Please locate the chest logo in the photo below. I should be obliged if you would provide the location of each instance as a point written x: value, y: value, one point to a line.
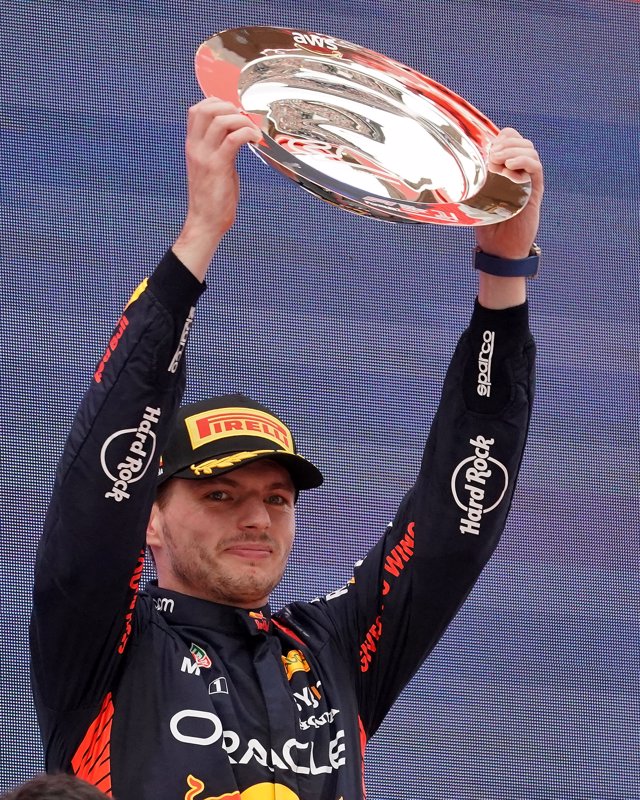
x: 294, y: 662
x: 259, y: 791
x: 199, y: 660
x: 199, y: 656
x: 219, y: 686
x: 262, y: 623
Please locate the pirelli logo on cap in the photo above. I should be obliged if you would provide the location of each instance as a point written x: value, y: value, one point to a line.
x: 209, y: 426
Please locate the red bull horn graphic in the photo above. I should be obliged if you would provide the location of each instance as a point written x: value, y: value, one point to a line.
x: 259, y: 791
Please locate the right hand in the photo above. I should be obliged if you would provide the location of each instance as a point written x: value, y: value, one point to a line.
x: 216, y: 130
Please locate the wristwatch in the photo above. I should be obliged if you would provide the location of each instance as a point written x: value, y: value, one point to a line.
x: 509, y: 267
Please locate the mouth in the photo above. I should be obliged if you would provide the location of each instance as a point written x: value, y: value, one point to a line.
x: 250, y: 550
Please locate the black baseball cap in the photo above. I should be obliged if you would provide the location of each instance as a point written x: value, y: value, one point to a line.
x: 214, y: 436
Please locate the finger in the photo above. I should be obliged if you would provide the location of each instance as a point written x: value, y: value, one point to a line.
x: 203, y: 113
x: 508, y: 133
x: 519, y: 150
x: 526, y: 166
x: 523, y: 161
x: 530, y: 166
x: 222, y: 126
x: 510, y: 143
x: 235, y: 139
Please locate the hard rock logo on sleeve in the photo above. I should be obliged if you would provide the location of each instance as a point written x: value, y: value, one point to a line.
x: 126, y: 454
x: 478, y: 484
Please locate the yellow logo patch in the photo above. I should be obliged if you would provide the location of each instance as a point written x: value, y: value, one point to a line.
x: 259, y: 791
x: 295, y: 661
x: 221, y: 423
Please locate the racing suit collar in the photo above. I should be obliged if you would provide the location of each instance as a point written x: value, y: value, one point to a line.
x: 182, y: 609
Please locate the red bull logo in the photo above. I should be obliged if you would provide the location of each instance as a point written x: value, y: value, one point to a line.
x: 262, y: 623
x: 259, y: 791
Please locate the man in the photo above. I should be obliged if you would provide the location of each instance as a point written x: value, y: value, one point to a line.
x: 193, y: 689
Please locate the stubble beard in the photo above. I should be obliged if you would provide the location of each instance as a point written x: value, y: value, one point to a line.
x: 203, y: 575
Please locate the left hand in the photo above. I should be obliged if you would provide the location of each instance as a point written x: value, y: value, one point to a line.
x: 513, y: 237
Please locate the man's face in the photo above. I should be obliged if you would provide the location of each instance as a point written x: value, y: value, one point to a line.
x: 225, y: 538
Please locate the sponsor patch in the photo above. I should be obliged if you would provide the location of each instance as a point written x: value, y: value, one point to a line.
x: 294, y: 662
x: 370, y: 645
x: 343, y: 589
x: 140, y: 288
x: 262, y: 623
x: 309, y: 697
x: 258, y: 791
x: 207, y: 426
x: 200, y: 656
x: 121, y: 326
x: 484, y: 364
x: 134, y: 584
x: 219, y: 686
x: 317, y: 722
x: 303, y: 758
x: 126, y: 465
x: 478, y: 484
x: 164, y: 604
x: 175, y: 361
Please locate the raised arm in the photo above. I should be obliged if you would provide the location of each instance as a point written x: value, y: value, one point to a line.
x: 409, y: 587
x: 215, y: 132
x: 92, y: 549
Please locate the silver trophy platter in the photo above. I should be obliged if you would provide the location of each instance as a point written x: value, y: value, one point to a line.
x: 360, y: 130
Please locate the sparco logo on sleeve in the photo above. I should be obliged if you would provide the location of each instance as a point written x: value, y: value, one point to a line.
x: 126, y: 454
x: 478, y: 484
x: 484, y: 364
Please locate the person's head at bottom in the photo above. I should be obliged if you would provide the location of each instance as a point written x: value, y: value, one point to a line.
x: 55, y: 787
x: 223, y: 522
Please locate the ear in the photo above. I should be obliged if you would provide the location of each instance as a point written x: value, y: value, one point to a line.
x: 154, y: 527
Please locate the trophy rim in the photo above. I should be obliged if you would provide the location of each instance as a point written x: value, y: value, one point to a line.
x: 282, y: 77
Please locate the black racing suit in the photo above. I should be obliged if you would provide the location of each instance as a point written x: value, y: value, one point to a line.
x: 163, y: 696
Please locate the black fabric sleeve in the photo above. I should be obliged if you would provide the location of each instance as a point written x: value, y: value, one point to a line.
x: 91, y: 551
x: 409, y: 587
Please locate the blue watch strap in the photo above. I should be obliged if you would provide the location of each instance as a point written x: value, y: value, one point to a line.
x: 509, y: 267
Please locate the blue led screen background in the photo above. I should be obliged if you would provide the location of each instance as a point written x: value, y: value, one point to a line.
x: 345, y: 326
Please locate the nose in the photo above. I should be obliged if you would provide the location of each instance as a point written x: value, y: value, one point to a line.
x: 254, y: 515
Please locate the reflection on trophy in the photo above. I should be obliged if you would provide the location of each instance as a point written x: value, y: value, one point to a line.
x: 360, y: 130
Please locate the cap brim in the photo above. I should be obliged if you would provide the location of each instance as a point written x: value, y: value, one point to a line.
x: 303, y: 473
